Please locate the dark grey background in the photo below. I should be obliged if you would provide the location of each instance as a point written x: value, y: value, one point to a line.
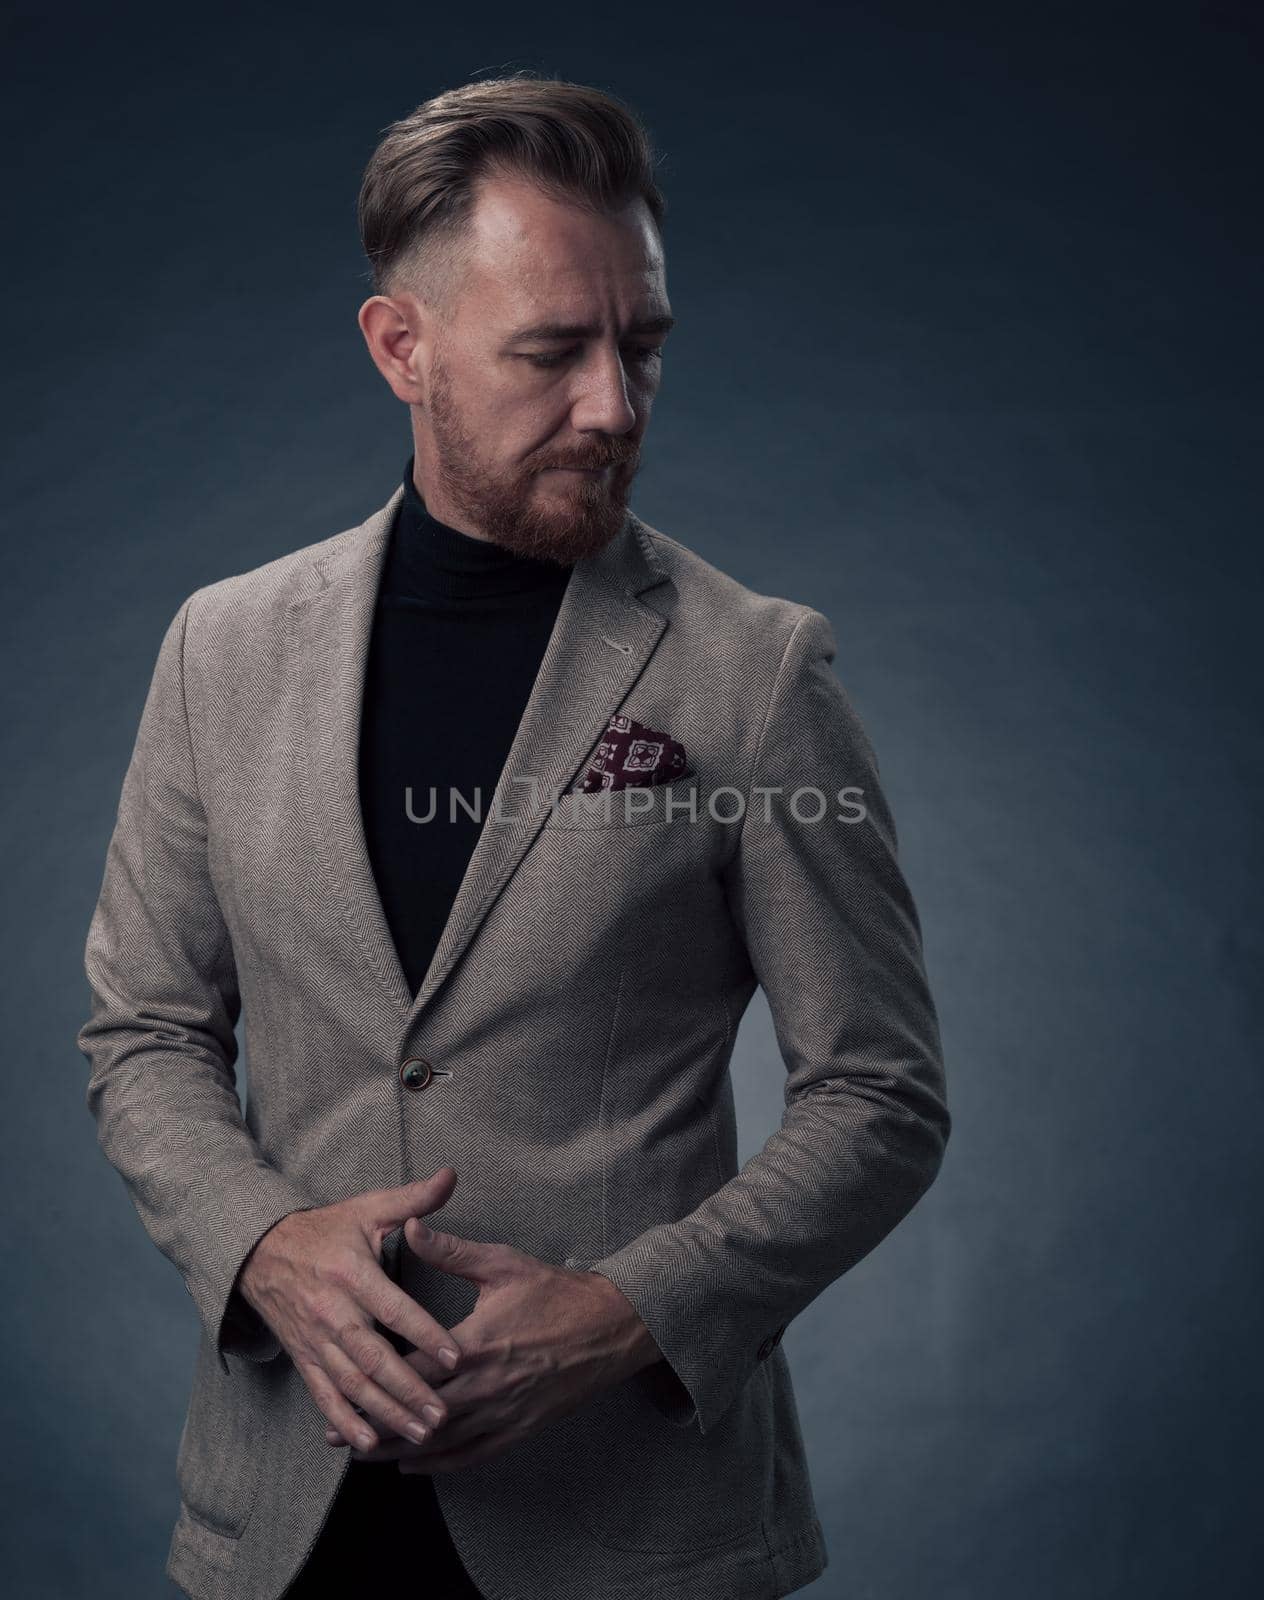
x: 967, y: 358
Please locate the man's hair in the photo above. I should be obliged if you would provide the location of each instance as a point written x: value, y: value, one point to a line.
x: 577, y: 144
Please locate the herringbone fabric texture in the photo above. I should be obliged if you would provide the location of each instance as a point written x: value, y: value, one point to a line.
x: 583, y: 1000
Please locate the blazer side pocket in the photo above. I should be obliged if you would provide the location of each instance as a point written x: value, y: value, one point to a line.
x: 677, y: 1489
x: 217, y: 1463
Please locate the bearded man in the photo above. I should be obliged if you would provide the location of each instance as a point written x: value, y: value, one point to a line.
x: 486, y: 816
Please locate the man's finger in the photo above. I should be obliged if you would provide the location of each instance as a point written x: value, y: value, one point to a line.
x: 395, y: 1309
x: 462, y: 1430
x: 435, y: 1374
x: 346, y: 1362
x: 465, y: 1258
x: 406, y: 1381
x: 388, y: 1208
x: 335, y: 1407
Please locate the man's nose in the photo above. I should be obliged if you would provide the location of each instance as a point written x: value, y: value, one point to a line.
x: 603, y: 405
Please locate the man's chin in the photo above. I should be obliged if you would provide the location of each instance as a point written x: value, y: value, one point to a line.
x: 566, y: 539
x: 573, y: 545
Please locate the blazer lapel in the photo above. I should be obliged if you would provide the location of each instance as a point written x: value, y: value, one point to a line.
x: 603, y: 636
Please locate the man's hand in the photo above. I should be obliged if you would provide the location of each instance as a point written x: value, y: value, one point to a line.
x: 316, y: 1279
x: 539, y: 1342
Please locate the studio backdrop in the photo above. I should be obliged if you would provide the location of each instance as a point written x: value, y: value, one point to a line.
x: 966, y: 359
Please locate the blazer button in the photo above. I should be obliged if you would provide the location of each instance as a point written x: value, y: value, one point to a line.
x: 415, y: 1073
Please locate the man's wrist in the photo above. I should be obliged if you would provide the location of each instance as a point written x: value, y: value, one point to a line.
x: 635, y: 1346
x: 254, y: 1264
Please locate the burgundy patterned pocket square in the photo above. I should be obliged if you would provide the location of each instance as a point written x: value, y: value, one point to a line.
x: 631, y: 755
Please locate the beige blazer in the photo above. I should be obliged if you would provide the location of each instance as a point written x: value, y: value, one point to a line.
x: 580, y: 1012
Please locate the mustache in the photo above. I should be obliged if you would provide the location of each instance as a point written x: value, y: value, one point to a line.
x: 608, y: 459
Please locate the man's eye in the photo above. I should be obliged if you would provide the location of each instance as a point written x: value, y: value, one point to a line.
x: 641, y: 354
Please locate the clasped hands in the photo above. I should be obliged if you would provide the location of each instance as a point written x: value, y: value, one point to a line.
x: 539, y: 1342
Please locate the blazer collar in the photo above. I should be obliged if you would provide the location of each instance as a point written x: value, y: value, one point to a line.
x: 603, y: 636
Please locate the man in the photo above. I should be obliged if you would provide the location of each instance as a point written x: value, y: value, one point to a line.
x: 519, y: 1015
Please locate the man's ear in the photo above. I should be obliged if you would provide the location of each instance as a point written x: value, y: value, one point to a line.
x: 394, y: 328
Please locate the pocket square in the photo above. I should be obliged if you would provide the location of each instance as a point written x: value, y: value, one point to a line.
x: 631, y: 755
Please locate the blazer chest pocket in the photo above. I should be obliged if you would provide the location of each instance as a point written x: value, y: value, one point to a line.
x: 217, y: 1464
x: 678, y: 802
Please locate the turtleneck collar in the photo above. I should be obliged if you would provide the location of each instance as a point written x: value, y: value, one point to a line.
x: 429, y: 560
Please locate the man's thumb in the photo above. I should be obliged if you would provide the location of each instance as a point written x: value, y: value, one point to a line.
x: 391, y: 1208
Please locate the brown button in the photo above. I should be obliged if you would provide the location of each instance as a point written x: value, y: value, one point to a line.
x: 415, y: 1073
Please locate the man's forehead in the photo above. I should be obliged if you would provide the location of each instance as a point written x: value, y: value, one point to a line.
x: 532, y: 258
x: 575, y: 304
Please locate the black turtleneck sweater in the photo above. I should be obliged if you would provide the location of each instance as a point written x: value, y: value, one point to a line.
x: 458, y: 635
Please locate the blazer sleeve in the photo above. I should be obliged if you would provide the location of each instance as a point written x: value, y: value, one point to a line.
x: 834, y: 939
x: 160, y: 1039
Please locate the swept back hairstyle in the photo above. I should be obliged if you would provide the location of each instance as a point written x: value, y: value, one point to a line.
x: 579, y: 145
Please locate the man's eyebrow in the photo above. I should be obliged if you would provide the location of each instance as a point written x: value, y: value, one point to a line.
x: 586, y: 330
